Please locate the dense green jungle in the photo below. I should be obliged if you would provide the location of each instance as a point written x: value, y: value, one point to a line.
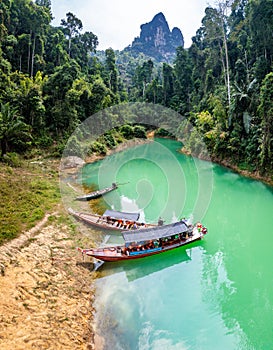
x: 52, y: 79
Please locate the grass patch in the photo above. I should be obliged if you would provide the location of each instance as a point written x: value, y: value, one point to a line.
x: 27, y: 193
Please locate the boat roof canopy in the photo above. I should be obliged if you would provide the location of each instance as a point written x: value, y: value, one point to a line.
x: 155, y: 232
x: 121, y: 215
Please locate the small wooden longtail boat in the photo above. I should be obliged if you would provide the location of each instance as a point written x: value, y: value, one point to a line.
x: 111, y: 220
x: 97, y: 194
x: 149, y: 241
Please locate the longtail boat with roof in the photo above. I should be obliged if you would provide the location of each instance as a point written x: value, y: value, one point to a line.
x: 149, y: 241
x: 97, y: 194
x: 111, y: 220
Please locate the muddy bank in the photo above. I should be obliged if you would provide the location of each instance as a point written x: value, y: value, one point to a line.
x: 46, y: 291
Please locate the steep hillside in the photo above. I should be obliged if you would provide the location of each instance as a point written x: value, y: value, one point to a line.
x: 156, y: 40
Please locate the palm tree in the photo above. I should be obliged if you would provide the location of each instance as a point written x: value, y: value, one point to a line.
x: 14, y: 132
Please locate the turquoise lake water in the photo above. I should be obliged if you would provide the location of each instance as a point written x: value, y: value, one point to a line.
x: 214, y: 294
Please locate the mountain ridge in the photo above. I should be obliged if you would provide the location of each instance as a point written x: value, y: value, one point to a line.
x: 156, y: 40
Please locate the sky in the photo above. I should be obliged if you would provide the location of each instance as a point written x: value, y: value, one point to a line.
x: 117, y: 22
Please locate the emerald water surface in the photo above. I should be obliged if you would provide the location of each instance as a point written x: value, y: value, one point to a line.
x: 214, y: 294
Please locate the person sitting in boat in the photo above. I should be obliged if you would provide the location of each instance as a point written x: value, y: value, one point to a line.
x: 204, y: 230
x: 150, y: 245
x: 199, y: 227
x: 183, y: 236
x: 160, y: 221
x: 156, y: 243
x: 176, y: 238
x: 126, y: 224
x: 120, y: 223
x: 185, y: 221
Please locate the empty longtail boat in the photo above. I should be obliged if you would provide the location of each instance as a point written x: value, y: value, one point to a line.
x: 149, y: 241
x: 111, y: 220
x: 97, y: 194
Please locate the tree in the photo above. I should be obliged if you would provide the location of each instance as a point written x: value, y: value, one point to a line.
x: 40, y: 19
x: 183, y: 80
x: 215, y: 34
x: 72, y: 25
x: 4, y: 16
x: 111, y: 70
x: 89, y: 41
x: 60, y: 114
x: 223, y: 7
x: 266, y: 113
x: 27, y: 24
x: 14, y: 133
x: 101, y: 97
x: 81, y: 47
x: 30, y: 101
x: 143, y: 76
x: 239, y: 34
x: 154, y: 91
x: 61, y: 81
x: 261, y: 32
x: 45, y: 3
x: 55, y: 52
x: 5, y: 85
x: 168, y: 84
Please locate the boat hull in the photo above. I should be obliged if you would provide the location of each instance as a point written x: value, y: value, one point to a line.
x: 96, y: 194
x: 110, y: 254
x: 101, y: 223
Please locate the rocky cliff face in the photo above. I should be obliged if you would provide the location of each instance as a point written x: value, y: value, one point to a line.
x: 156, y: 40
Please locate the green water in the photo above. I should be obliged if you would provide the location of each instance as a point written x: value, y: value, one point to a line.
x: 215, y: 294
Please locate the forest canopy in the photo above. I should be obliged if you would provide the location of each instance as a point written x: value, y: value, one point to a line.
x: 52, y: 79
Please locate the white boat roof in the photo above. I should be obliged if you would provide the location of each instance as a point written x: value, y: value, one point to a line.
x: 154, y: 232
x: 122, y: 215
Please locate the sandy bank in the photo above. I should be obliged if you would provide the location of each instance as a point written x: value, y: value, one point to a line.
x: 45, y: 291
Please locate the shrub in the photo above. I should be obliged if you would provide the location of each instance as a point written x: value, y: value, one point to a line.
x: 73, y: 147
x: 139, y: 132
x: 12, y: 159
x: 99, y: 148
x: 127, y: 131
x: 163, y: 133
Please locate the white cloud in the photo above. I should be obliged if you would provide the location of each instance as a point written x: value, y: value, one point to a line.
x: 117, y: 23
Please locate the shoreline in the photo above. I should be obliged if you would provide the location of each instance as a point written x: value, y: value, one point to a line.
x: 248, y: 174
x: 119, y: 148
x: 225, y: 163
x: 228, y: 164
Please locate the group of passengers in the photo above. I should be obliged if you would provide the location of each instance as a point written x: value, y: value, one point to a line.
x: 157, y: 243
x: 123, y: 224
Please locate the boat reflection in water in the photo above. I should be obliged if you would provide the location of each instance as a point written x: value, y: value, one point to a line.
x: 135, y: 270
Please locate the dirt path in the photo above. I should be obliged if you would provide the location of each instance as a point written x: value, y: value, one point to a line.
x: 45, y: 291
